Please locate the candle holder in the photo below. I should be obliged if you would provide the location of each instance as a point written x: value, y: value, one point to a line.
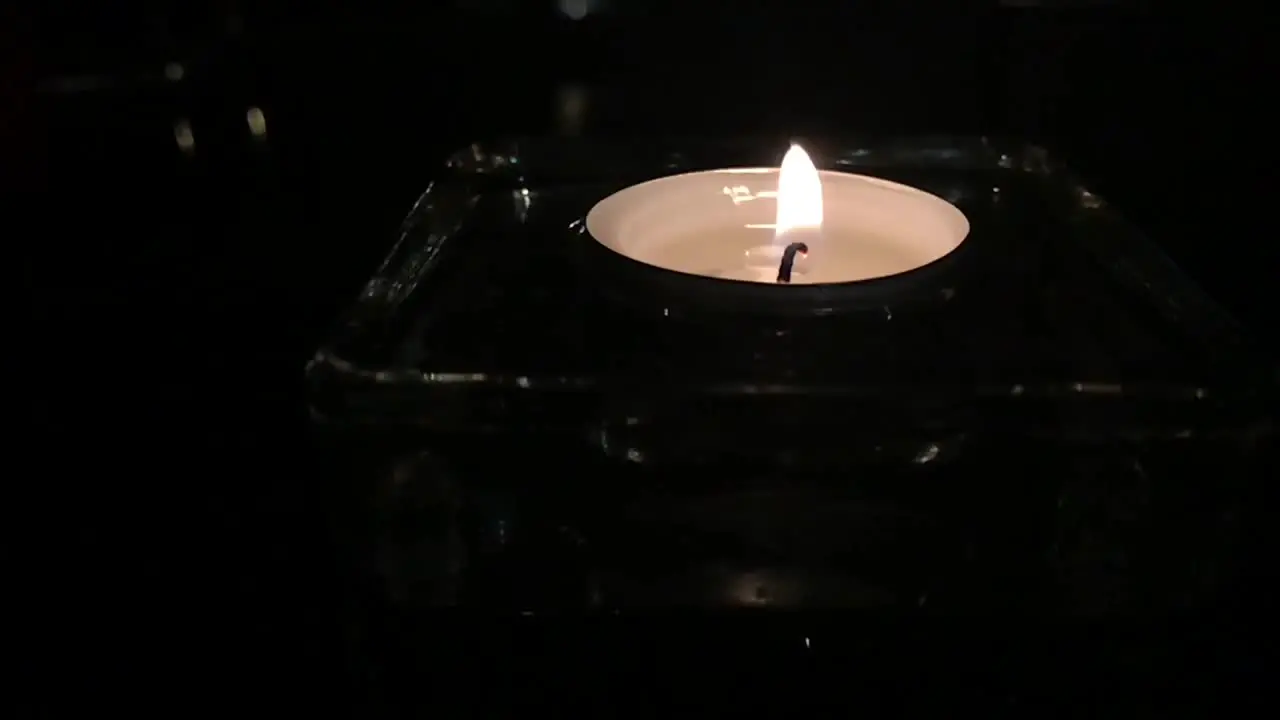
x: 498, y: 310
x: 992, y: 436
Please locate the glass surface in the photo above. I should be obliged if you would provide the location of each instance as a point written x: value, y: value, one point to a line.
x: 1061, y: 320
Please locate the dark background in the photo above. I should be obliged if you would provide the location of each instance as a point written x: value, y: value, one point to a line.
x: 177, y: 291
x: 1162, y: 109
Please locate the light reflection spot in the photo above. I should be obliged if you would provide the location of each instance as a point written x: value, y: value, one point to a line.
x: 928, y: 454
x: 184, y: 135
x: 575, y: 9
x: 257, y: 121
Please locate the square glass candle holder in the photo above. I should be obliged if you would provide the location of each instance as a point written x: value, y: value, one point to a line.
x: 1062, y: 320
x: 1058, y: 421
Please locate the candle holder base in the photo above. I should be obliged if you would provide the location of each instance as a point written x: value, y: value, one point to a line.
x: 458, y: 524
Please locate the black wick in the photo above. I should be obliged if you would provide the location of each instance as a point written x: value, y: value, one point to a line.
x: 789, y: 259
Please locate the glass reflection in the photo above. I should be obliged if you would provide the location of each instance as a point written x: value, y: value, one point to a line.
x: 257, y: 122
x: 185, y: 136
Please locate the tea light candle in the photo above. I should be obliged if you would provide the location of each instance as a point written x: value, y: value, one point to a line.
x: 786, y: 226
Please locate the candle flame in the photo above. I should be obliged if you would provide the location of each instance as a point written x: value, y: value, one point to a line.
x: 799, y: 193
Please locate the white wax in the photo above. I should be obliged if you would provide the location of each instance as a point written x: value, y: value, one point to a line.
x: 722, y: 224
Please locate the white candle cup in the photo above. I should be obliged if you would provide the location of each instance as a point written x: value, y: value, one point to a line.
x: 721, y: 227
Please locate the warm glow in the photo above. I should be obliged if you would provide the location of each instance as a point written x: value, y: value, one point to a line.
x: 799, y: 193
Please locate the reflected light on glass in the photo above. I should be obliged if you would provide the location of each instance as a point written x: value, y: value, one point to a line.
x: 575, y: 9
x: 185, y: 137
x: 257, y: 122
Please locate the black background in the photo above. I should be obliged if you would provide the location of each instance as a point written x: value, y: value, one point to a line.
x: 176, y: 295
